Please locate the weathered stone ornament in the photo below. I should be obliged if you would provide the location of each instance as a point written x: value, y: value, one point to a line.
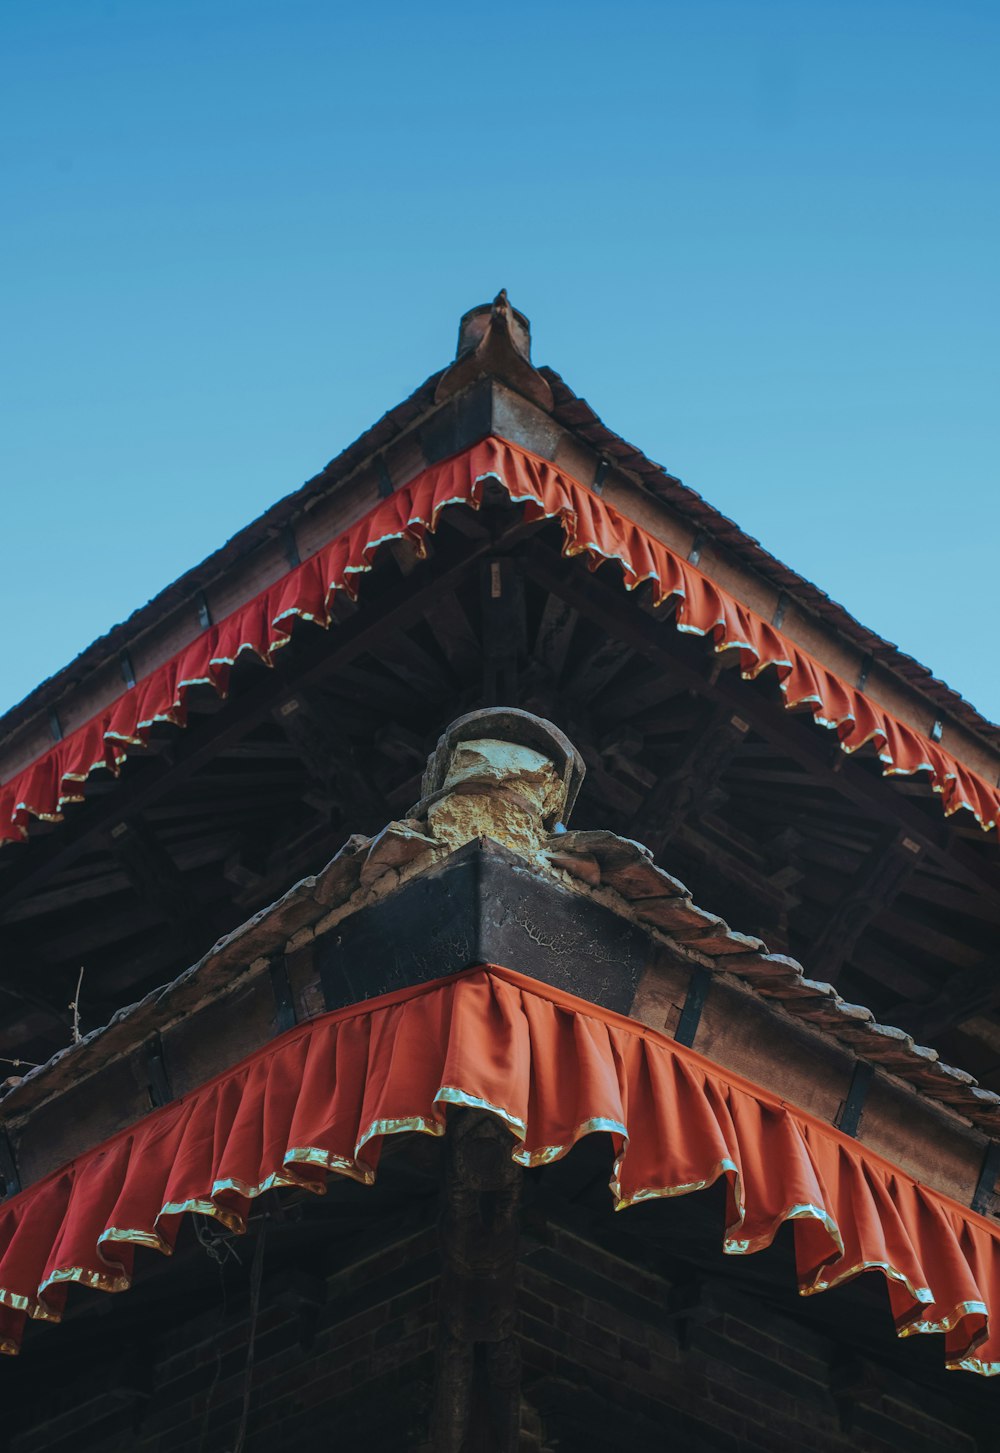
x: 499, y: 773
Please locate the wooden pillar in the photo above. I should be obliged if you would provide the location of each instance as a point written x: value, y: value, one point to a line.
x: 477, y: 1392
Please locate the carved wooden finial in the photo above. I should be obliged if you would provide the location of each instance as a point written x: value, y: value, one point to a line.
x: 495, y: 339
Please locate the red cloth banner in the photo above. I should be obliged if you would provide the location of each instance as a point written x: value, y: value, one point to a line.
x: 322, y: 1098
x: 591, y: 528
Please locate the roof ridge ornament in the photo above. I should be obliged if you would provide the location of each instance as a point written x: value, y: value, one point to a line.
x: 501, y: 773
x: 494, y: 340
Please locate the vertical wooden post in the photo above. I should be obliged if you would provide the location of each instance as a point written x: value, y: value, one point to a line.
x: 477, y: 1392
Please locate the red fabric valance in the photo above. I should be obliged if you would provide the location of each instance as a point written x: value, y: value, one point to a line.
x: 591, y: 528
x: 553, y: 1068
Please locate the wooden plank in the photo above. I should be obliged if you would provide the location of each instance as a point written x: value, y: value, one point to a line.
x: 317, y: 659
x: 555, y: 636
x: 874, y: 886
x: 874, y: 793
x: 704, y: 756
x: 454, y: 634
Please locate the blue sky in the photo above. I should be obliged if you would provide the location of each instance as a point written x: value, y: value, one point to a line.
x: 761, y: 239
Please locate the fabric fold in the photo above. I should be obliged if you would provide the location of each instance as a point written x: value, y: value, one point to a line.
x: 591, y: 528
x: 323, y: 1098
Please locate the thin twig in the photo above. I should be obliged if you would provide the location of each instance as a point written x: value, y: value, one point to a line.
x: 74, y: 1004
x: 17, y: 1063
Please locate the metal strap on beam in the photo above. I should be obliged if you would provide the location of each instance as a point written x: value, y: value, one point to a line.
x: 385, y: 484
x: 8, y: 1166
x: 600, y: 474
x: 156, y: 1070
x: 697, y: 545
x: 291, y: 546
x: 284, y: 1004
x: 850, y: 1116
x: 989, y: 1175
x: 687, y: 1025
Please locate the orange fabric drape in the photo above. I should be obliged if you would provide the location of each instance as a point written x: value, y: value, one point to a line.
x: 553, y: 1068
x: 591, y: 528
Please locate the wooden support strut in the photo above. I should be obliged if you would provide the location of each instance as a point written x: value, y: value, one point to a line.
x: 319, y: 658
x: 601, y: 604
x: 503, y: 630
x: 878, y: 881
x: 964, y: 995
x: 477, y: 1391
x: 703, y: 757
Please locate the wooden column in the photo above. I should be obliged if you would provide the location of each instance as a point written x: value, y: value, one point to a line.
x: 477, y: 1393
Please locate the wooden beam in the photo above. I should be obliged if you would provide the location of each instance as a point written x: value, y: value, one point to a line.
x: 330, y: 760
x: 704, y: 755
x: 881, y: 876
x: 477, y: 1392
x: 315, y: 659
x: 875, y: 795
x: 966, y: 994
x: 504, y: 629
x: 156, y: 880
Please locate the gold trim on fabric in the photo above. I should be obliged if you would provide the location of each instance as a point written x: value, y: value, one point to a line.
x: 973, y: 1364
x: 100, y: 1281
x: 546, y: 1154
x: 802, y: 1211
x: 684, y: 1188
x: 15, y: 1300
x: 298, y: 1161
x: 203, y: 1208
x: 150, y: 1239
x: 421, y: 1124
x: 335, y: 1164
x: 945, y: 1324
x: 416, y: 526
x: 923, y: 1295
x: 451, y: 1095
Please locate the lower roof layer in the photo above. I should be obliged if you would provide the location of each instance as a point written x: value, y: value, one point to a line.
x: 552, y: 1068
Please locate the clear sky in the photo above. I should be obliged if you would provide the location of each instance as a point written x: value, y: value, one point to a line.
x: 762, y: 239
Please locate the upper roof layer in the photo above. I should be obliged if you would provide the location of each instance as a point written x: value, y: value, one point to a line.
x: 592, y: 528
x: 574, y: 414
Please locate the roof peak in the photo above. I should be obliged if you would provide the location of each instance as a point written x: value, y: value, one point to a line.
x: 495, y: 339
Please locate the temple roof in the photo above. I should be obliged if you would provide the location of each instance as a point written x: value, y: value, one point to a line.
x: 188, y: 810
